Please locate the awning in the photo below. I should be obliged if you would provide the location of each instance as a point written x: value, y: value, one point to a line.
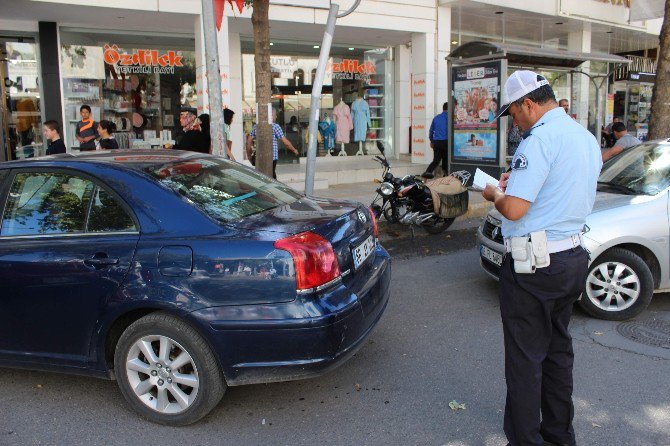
x: 529, y: 56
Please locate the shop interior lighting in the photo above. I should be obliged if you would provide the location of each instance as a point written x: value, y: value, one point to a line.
x: 351, y: 49
x: 271, y: 43
x: 454, y: 42
x: 316, y: 47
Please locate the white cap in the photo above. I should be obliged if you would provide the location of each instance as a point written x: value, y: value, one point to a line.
x: 518, y: 85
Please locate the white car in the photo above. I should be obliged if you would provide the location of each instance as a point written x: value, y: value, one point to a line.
x: 627, y: 234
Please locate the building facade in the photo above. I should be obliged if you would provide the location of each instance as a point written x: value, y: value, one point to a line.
x: 137, y: 63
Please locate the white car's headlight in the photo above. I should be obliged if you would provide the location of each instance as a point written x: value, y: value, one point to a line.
x: 386, y: 189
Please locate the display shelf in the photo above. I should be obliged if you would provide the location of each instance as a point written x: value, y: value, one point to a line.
x: 374, y: 96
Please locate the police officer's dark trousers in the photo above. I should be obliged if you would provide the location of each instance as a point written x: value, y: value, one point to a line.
x: 536, y: 310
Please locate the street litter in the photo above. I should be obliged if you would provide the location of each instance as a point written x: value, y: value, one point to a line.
x: 455, y: 405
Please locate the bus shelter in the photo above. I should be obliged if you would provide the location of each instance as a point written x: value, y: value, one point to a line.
x: 477, y: 72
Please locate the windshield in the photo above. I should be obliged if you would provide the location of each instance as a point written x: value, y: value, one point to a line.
x: 224, y: 190
x: 641, y: 170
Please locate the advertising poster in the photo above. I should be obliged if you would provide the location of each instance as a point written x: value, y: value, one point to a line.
x: 476, y: 101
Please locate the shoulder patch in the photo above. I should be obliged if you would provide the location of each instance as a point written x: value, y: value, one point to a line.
x: 520, y: 162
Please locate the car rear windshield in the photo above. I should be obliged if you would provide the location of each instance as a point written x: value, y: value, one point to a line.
x: 643, y: 170
x: 224, y: 190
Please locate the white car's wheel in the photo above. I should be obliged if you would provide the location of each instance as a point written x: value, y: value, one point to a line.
x: 619, y: 286
x: 166, y: 370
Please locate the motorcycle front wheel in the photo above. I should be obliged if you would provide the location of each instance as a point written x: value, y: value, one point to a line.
x: 437, y: 225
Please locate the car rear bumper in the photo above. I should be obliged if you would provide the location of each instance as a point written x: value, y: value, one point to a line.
x: 299, y: 339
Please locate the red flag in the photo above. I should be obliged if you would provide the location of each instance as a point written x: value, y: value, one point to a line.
x: 239, y: 3
x: 220, y: 5
x: 218, y: 12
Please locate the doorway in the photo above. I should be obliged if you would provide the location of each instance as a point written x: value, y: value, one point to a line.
x: 20, y: 116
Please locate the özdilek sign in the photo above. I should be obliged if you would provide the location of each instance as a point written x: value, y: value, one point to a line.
x: 142, y: 61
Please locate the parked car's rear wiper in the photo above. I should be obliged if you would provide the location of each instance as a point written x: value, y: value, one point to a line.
x: 619, y: 187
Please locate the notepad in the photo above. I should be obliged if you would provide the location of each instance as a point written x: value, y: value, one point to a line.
x: 482, y: 179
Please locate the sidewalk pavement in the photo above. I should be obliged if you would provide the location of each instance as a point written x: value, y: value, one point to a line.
x: 365, y: 193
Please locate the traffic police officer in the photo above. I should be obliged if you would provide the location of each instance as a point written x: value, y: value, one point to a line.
x: 551, y: 188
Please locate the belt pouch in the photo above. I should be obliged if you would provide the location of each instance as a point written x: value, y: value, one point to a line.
x: 522, y: 253
x: 538, y: 241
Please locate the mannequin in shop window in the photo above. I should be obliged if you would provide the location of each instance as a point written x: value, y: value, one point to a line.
x: 360, y: 112
x: 328, y: 131
x: 344, y: 125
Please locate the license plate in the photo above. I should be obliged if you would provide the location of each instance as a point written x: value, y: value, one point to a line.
x: 491, y: 255
x: 363, y: 251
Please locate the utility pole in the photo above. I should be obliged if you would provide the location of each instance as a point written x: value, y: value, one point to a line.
x: 216, y: 121
x: 315, y: 106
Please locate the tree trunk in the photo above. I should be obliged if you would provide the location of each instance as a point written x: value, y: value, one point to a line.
x: 261, y: 23
x: 659, y: 123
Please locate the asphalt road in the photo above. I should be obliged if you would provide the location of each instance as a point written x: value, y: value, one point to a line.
x: 439, y: 341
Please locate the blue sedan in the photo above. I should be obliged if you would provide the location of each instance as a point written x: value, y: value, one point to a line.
x: 179, y: 274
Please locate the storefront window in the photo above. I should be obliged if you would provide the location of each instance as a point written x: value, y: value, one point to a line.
x: 20, y: 118
x: 358, y: 88
x: 139, y: 87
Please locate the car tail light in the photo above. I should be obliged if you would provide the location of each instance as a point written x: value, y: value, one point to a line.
x: 374, y: 223
x: 314, y: 259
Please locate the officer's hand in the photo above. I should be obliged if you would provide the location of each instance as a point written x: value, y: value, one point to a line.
x: 490, y: 191
x: 502, y: 184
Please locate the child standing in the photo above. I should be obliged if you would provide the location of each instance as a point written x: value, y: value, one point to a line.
x: 105, y: 130
x: 52, y: 134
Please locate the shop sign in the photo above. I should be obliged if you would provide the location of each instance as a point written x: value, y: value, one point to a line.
x: 352, y: 69
x: 284, y: 65
x: 143, y: 61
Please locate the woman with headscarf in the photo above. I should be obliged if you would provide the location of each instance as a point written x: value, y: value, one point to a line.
x: 193, y: 138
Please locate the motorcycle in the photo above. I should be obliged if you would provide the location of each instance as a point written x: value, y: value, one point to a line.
x: 409, y: 201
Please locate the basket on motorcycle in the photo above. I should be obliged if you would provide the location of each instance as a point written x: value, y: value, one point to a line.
x: 450, y: 197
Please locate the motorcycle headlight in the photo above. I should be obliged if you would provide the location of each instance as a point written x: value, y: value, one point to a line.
x: 386, y: 189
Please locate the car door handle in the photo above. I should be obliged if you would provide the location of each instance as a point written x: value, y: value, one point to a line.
x: 100, y: 262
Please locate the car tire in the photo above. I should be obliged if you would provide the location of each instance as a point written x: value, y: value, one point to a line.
x: 144, y: 359
x: 620, y: 299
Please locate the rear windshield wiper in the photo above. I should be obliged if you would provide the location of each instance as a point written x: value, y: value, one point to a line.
x: 619, y: 187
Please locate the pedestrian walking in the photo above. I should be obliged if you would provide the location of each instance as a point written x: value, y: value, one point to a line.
x: 52, y: 135
x: 86, y: 130
x: 277, y: 135
x: 623, y: 142
x: 439, y: 134
x: 544, y: 200
x: 227, y: 122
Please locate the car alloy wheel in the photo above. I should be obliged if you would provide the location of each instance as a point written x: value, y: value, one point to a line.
x: 619, y: 285
x: 162, y: 374
x: 613, y: 286
x: 166, y: 370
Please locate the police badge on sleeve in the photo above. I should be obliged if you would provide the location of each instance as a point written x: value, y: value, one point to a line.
x: 520, y: 162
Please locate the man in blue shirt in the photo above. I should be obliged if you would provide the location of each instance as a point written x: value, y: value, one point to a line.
x: 438, y: 134
x: 550, y: 190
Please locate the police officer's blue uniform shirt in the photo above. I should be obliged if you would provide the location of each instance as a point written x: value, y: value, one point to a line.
x: 557, y: 151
